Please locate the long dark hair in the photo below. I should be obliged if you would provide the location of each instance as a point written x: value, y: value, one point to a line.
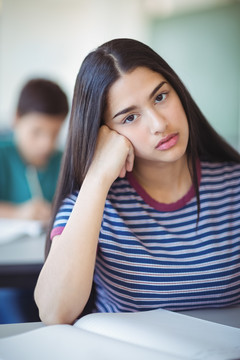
x: 100, y: 69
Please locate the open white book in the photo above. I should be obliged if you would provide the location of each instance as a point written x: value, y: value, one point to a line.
x: 14, y: 229
x: 149, y: 335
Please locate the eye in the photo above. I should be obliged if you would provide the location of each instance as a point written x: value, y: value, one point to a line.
x: 129, y: 119
x: 161, y: 97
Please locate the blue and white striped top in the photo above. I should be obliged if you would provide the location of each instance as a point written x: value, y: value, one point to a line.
x: 153, y: 255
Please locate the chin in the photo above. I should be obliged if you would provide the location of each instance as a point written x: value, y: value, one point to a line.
x: 39, y: 162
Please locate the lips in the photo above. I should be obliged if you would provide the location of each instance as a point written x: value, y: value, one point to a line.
x: 168, y: 142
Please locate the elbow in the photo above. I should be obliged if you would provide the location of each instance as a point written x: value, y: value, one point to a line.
x: 53, y: 318
x: 51, y: 314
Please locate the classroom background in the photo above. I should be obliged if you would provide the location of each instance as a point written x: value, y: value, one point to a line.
x: 198, y: 38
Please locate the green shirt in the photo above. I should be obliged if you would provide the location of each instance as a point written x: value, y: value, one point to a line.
x: 14, y: 186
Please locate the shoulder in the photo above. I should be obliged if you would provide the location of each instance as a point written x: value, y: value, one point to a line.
x: 225, y: 175
x: 216, y: 169
x: 8, y: 151
x: 56, y: 156
x: 54, y: 161
x: 7, y: 145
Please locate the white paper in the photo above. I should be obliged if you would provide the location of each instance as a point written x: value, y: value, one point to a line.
x: 166, y: 331
x: 63, y: 342
x: 13, y: 229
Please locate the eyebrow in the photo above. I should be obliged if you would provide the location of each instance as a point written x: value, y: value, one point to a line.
x: 156, y: 89
x: 131, y: 108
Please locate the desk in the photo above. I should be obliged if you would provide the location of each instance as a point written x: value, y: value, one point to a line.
x: 16, y: 329
x: 21, y: 261
x: 227, y: 316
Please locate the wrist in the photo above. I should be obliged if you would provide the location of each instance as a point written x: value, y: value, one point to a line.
x: 101, y: 181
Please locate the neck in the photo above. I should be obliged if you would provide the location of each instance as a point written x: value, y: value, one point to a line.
x: 165, y: 183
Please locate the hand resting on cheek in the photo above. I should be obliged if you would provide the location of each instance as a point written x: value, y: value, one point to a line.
x: 114, y: 155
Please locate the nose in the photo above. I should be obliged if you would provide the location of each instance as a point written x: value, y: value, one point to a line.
x: 157, y: 123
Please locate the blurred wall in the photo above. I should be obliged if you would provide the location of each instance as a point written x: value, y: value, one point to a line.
x: 51, y: 38
x: 203, y: 47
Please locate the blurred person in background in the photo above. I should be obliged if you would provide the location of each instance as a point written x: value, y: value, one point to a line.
x: 30, y: 162
x: 29, y: 168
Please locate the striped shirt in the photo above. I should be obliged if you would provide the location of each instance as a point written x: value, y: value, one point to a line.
x: 153, y: 255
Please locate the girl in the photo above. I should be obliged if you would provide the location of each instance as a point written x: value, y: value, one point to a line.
x: 147, y: 206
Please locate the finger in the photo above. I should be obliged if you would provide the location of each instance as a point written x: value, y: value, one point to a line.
x: 130, y: 159
x: 128, y: 166
x: 122, y: 172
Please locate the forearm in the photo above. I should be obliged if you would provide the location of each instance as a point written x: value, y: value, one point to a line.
x: 65, y: 281
x: 9, y: 210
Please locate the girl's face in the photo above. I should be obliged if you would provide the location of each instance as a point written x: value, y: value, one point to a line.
x: 143, y: 107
